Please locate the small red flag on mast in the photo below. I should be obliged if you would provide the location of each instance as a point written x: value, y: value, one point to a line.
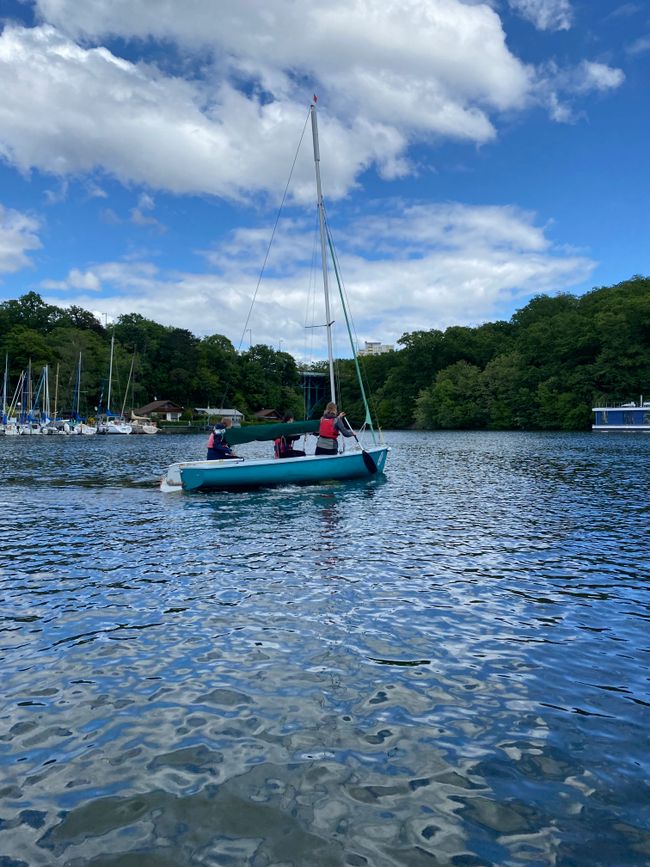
x: 315, y: 98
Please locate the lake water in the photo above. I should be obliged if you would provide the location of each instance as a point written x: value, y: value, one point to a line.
x: 449, y: 666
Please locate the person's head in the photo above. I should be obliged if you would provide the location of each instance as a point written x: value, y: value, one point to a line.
x: 330, y: 408
x: 287, y: 418
x: 226, y: 422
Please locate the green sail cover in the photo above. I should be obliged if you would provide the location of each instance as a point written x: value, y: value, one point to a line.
x: 261, y: 432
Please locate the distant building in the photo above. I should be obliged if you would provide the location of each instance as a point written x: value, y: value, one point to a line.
x: 268, y: 415
x: 166, y: 410
x: 213, y: 412
x: 375, y: 347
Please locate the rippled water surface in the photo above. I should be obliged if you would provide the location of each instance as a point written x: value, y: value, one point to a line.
x: 446, y: 666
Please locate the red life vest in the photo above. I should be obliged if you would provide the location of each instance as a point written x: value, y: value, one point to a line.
x: 278, y: 447
x: 327, y: 429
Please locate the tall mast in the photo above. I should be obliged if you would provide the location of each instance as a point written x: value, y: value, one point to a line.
x: 56, y: 391
x: 323, y: 250
x: 46, y: 393
x: 126, y: 390
x: 110, y: 375
x: 4, y: 388
x: 76, y: 410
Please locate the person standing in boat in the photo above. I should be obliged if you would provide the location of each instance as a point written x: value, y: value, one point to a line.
x: 331, y: 425
x: 218, y: 448
x: 283, y: 446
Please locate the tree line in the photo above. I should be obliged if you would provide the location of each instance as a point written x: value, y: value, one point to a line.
x: 543, y: 369
x: 163, y: 362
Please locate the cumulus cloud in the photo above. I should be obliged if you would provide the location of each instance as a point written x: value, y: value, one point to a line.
x: 407, y: 268
x: 597, y: 76
x: 402, y: 72
x: 18, y: 236
x: 76, y: 279
x: 545, y: 14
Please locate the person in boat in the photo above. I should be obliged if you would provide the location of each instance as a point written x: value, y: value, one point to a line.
x: 218, y: 448
x: 283, y: 446
x: 331, y: 425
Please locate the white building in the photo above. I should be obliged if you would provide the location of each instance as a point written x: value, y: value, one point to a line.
x: 218, y: 413
x: 375, y: 347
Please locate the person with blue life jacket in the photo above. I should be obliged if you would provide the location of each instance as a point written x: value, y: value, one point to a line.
x: 331, y: 425
x: 283, y: 445
x: 218, y: 448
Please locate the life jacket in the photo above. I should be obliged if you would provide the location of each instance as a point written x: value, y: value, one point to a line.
x: 327, y: 429
x: 279, y: 447
x: 218, y: 437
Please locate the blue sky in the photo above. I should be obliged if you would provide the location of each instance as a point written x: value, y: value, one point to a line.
x: 473, y: 155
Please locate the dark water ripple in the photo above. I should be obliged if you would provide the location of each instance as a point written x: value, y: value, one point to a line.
x: 448, y: 666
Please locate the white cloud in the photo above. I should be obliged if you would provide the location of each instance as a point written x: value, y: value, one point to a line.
x: 401, y: 72
x: 76, y: 279
x: 18, y: 235
x: 597, y: 76
x: 139, y: 216
x: 545, y: 14
x: 557, y: 86
x: 411, y: 268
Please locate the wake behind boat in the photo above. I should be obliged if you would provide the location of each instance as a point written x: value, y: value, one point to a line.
x: 239, y: 473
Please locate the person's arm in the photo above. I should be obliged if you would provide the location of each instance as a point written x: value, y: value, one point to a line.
x: 342, y: 426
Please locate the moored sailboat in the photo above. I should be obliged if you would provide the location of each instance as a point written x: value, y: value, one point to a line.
x: 112, y: 423
x: 239, y: 473
x: 77, y: 424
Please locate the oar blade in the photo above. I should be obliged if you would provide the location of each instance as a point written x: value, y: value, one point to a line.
x: 368, y: 460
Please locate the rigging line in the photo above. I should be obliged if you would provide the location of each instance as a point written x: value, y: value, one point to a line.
x: 346, y: 307
x: 310, y: 307
x: 275, y: 226
x: 350, y: 327
x: 268, y: 249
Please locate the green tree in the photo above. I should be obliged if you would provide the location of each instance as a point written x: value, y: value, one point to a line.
x: 455, y: 400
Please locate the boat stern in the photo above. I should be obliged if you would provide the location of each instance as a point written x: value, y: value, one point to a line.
x: 171, y: 482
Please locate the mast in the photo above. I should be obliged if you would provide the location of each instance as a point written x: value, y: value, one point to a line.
x: 323, y: 249
x: 56, y: 390
x: 30, y: 391
x: 78, y: 389
x: 4, y: 389
x: 110, y: 375
x: 46, y: 394
x: 126, y: 391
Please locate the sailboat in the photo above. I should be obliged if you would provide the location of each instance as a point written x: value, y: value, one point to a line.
x: 139, y: 424
x: 112, y: 423
x: 239, y: 473
x: 7, y: 425
x: 78, y: 425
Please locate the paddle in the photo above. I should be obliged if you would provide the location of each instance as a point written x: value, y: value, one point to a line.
x: 368, y: 460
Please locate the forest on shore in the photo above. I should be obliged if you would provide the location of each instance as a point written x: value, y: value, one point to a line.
x: 543, y: 369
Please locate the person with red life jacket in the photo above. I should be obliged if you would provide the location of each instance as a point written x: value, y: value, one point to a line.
x: 283, y: 445
x: 331, y: 425
x: 218, y: 448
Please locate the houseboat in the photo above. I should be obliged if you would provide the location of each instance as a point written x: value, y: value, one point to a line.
x: 634, y: 417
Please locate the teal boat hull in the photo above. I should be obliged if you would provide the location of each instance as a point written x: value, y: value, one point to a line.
x: 242, y: 474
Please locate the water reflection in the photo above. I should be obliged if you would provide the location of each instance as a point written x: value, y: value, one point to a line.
x: 445, y: 666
